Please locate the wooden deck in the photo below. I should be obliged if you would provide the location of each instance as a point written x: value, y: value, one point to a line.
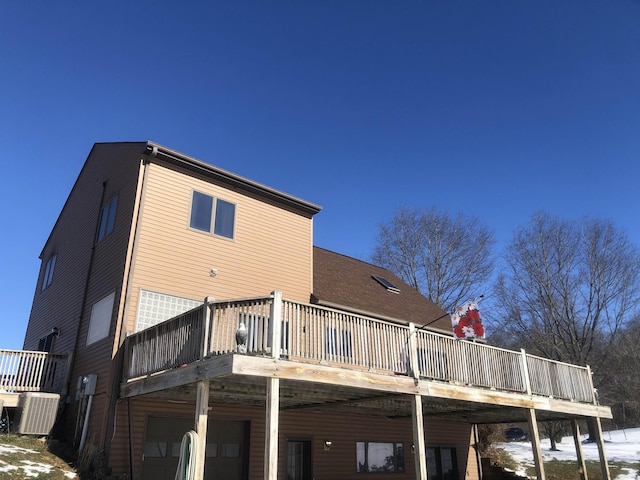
x: 348, y: 356
x: 31, y: 371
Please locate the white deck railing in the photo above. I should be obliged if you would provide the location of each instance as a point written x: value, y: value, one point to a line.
x: 30, y: 371
x: 310, y: 333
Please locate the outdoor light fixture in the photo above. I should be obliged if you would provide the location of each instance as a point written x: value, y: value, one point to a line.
x: 327, y: 445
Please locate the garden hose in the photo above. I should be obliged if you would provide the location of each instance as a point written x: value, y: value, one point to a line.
x: 187, y: 460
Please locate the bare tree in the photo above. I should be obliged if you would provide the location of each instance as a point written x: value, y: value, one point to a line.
x: 555, y: 431
x: 620, y: 383
x: 568, y: 288
x: 446, y: 259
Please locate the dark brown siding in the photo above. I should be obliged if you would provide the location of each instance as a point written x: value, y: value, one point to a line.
x: 85, y: 268
x: 107, y: 273
x: 342, y: 430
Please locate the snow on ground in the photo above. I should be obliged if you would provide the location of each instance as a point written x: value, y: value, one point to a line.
x: 620, y: 446
x: 29, y: 468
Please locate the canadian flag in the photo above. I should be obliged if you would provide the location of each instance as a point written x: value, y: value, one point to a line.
x: 466, y: 321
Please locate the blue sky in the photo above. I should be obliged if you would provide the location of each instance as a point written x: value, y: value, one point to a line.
x: 496, y: 109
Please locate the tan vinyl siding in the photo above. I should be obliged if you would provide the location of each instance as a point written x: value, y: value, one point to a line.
x: 342, y: 430
x: 270, y: 249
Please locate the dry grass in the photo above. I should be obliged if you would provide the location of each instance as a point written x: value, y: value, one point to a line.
x: 24, y: 456
x: 561, y: 470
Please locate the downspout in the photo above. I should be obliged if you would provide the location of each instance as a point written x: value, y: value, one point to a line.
x: 85, y: 292
x: 120, y: 330
x: 476, y: 443
x: 86, y: 283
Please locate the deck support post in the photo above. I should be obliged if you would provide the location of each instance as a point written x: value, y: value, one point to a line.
x: 419, y: 457
x: 273, y: 394
x: 604, y: 464
x: 582, y: 466
x: 202, y: 418
x: 271, y: 429
x: 534, y: 435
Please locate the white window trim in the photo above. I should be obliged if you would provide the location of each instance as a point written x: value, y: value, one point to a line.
x: 100, y: 321
x: 108, y: 218
x: 48, y: 271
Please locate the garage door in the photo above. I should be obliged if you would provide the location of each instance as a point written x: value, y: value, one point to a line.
x: 226, y: 453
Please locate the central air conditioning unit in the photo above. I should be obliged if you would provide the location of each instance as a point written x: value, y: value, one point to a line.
x: 36, y: 413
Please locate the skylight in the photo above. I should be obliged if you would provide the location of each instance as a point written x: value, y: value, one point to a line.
x: 386, y: 284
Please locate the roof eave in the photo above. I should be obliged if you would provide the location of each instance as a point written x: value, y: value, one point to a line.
x: 153, y: 150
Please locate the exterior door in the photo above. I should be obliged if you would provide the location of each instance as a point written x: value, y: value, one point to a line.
x: 299, y: 460
x: 226, y: 451
x: 442, y: 463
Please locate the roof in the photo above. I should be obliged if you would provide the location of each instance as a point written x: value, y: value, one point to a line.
x: 347, y: 283
x: 231, y: 180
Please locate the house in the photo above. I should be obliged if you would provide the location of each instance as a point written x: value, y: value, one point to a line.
x: 185, y: 297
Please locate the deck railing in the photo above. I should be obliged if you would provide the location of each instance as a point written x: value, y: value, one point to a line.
x: 331, y: 336
x: 167, y: 345
x: 310, y: 333
x: 560, y: 380
x: 442, y: 357
x: 30, y: 371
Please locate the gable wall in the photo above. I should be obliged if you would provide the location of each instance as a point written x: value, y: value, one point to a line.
x: 72, y: 239
x: 271, y: 249
x: 86, y: 271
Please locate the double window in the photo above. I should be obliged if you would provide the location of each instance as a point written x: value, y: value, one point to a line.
x: 107, y: 218
x: 48, y: 271
x: 212, y: 215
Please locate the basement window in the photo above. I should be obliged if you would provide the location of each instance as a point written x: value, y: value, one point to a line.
x: 386, y: 284
x: 379, y: 457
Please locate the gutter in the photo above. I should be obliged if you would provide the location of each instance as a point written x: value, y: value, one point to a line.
x: 227, y: 178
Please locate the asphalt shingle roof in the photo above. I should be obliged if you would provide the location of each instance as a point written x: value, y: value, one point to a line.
x: 343, y: 281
